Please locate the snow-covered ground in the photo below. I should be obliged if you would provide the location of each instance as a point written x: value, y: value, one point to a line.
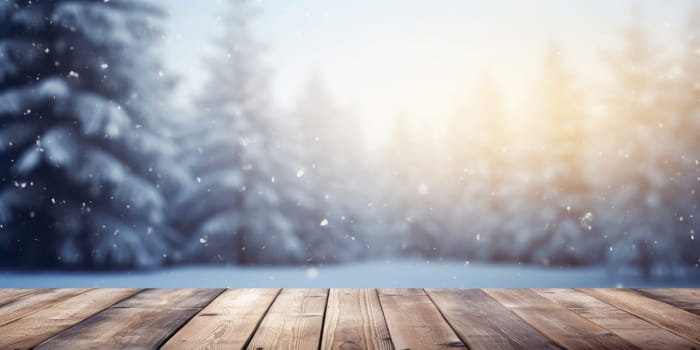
x: 396, y: 274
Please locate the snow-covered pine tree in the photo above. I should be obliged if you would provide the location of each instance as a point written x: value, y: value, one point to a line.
x: 415, y: 197
x: 248, y: 201
x: 81, y: 138
x: 640, y: 179
x: 478, y: 134
x: 333, y: 144
x: 322, y: 123
x: 684, y: 126
x: 559, y: 187
x: 477, y: 137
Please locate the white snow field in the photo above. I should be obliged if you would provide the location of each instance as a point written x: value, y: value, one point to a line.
x: 377, y: 274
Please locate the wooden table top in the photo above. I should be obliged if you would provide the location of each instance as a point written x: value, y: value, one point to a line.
x: 350, y: 318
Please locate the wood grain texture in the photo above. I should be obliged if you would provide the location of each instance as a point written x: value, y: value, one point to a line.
x: 10, y: 294
x: 565, y: 327
x: 143, y: 321
x: 629, y: 327
x: 34, y: 302
x: 354, y: 320
x: 36, y: 327
x: 349, y: 319
x: 171, y: 298
x: 294, y: 321
x: 676, y: 320
x: 414, y: 322
x: 228, y: 322
x: 684, y: 298
x: 483, y: 323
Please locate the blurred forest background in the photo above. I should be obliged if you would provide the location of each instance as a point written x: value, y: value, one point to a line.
x: 102, y: 170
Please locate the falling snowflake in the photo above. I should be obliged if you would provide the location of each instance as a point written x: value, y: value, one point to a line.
x: 312, y: 273
x: 586, y: 220
x: 300, y: 172
x: 324, y: 222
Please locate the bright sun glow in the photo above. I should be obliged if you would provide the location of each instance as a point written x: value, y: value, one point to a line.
x: 421, y: 65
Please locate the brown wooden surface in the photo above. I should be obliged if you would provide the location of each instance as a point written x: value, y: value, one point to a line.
x: 46, y: 322
x: 483, y: 323
x: 684, y: 298
x: 565, y: 327
x: 227, y: 323
x: 676, y: 320
x: 349, y: 319
x: 354, y: 320
x: 19, y: 307
x: 11, y: 294
x: 414, y: 322
x: 294, y: 321
x: 140, y: 322
x: 629, y: 327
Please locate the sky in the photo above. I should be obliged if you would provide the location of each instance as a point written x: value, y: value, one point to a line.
x: 414, y: 57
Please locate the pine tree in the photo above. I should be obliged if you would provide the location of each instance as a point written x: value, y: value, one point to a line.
x: 478, y: 133
x: 559, y: 187
x: 640, y: 182
x: 332, y: 143
x: 684, y: 129
x: 81, y: 134
x: 321, y: 123
x: 248, y: 201
x: 415, y: 198
x: 477, y: 140
x: 688, y: 94
x: 559, y: 109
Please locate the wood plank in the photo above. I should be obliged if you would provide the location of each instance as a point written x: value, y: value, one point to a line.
x: 676, y: 320
x: 171, y: 298
x: 143, y: 321
x: 8, y: 295
x: 483, y: 323
x: 36, y: 327
x: 565, y: 327
x: 294, y: 321
x: 629, y: 327
x: 354, y: 320
x: 685, y: 298
x: 228, y: 322
x: 414, y: 322
x: 34, y: 302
